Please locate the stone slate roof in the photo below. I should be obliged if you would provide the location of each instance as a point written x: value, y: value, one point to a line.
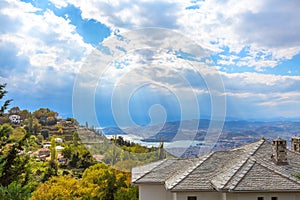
x: 247, y: 168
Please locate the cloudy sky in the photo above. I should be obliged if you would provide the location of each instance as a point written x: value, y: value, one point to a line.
x: 57, y: 54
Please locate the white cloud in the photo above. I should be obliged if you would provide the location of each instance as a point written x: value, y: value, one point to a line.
x: 249, y: 61
x: 59, y: 3
x: 47, y: 44
x: 265, y: 81
x: 254, y: 95
x: 257, y: 25
x: 130, y: 14
x: 163, y: 57
x: 258, y: 34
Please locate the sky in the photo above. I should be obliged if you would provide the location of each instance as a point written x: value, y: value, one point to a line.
x: 139, y: 62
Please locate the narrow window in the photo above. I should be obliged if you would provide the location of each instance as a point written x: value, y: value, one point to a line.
x: 192, y: 198
x: 260, y: 198
x: 274, y: 198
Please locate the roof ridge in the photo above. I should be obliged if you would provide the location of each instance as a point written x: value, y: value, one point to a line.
x: 187, y: 172
x: 255, y: 162
x: 261, y: 141
x: 234, y: 171
x: 243, y: 161
x: 290, y: 177
x: 149, y: 170
x: 243, y: 173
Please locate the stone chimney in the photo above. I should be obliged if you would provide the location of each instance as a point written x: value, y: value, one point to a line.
x: 279, y: 151
x: 295, y: 144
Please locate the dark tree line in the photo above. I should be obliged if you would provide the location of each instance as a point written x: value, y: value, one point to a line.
x: 14, y: 170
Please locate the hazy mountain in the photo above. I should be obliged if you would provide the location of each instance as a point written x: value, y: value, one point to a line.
x: 112, y: 131
x: 231, y: 130
x: 234, y: 133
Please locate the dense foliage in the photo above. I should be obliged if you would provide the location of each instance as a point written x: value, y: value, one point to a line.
x: 6, y: 102
x: 43, y: 156
x: 98, y: 182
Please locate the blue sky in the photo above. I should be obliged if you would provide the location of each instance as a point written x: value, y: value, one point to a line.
x: 46, y: 46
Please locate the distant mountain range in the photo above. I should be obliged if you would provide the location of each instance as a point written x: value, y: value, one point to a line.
x: 234, y: 133
x: 231, y: 130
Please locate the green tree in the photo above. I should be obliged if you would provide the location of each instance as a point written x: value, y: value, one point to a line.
x: 30, y: 123
x: 32, y: 143
x: 98, y: 182
x: 17, y: 134
x: 62, y: 188
x: 5, y: 131
x: 13, y: 163
x: 106, y: 181
x: 24, y: 114
x: 67, y: 152
x: 45, y: 116
x: 53, y: 154
x: 45, y: 133
x: 40, y: 138
x: 14, y: 111
x: 130, y: 193
x: 52, y: 169
x: 75, y: 138
x: 78, y: 156
x: 6, y: 102
x: 15, y: 191
x: 36, y: 128
x: 4, y: 119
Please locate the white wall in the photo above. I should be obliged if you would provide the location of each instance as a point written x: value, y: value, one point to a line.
x: 267, y: 196
x: 158, y: 192
x: 154, y: 192
x: 200, y: 195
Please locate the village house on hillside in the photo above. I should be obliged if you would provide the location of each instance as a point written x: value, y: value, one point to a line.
x: 15, y: 119
x: 257, y: 171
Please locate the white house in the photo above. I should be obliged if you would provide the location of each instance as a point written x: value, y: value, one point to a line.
x: 258, y: 171
x: 47, y: 146
x: 59, y: 140
x: 59, y: 148
x: 15, y: 119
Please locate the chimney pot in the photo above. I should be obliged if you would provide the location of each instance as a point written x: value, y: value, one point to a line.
x: 295, y: 144
x: 279, y: 151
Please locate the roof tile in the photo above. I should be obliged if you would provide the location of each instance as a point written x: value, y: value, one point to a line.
x: 247, y: 168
